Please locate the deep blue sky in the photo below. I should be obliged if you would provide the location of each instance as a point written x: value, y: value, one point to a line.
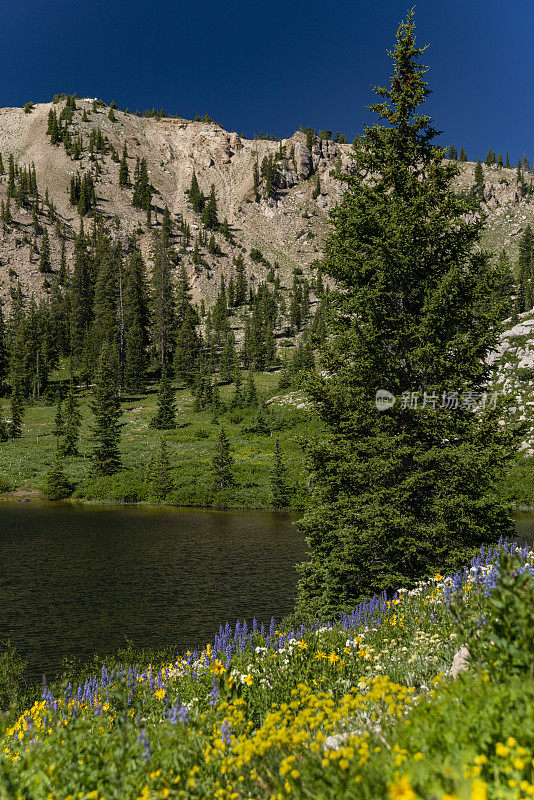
x: 273, y: 65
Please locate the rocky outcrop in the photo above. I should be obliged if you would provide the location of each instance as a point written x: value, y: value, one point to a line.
x: 460, y: 662
x: 303, y: 161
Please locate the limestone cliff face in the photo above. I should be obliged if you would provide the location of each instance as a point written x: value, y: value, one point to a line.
x: 288, y: 230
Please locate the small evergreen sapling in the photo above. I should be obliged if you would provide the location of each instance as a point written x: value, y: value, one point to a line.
x: 165, y: 416
x: 72, y: 421
x: 57, y: 485
x: 223, y: 463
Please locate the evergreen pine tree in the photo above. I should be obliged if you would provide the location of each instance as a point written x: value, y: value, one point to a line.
x: 165, y: 416
x: 44, y: 261
x: 238, y: 397
x: 463, y: 155
x: 228, y: 358
x: 223, y: 463
x: 507, y: 164
x: 135, y: 360
x: 403, y: 492
x: 160, y: 482
x: 81, y: 292
x: 240, y: 281
x: 71, y: 425
x: 196, y: 198
x: 57, y: 485
x: 107, y: 412
x: 62, y: 277
x: 209, y: 212
x: 452, y: 152
x: 4, y: 361
x: 163, y: 301
x: 124, y: 174
x: 279, y: 487
x: 187, y: 351
x: 251, y: 393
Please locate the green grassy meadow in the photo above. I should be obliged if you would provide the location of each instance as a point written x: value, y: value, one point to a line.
x: 24, y: 462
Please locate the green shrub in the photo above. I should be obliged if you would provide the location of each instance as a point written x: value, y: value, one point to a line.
x: 499, y: 629
x: 456, y: 742
x: 124, y: 487
x: 525, y: 374
x: 12, y: 668
x: 5, y: 485
x: 235, y: 415
x: 517, y: 484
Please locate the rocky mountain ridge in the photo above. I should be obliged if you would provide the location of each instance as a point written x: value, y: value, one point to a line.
x: 283, y: 233
x: 287, y: 229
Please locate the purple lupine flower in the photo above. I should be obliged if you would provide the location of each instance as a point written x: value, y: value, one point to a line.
x: 226, y: 732
x: 143, y: 739
x: 214, y: 695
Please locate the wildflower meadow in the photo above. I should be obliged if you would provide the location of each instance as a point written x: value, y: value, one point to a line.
x: 362, y: 706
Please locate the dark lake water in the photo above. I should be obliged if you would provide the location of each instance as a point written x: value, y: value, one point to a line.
x: 76, y: 580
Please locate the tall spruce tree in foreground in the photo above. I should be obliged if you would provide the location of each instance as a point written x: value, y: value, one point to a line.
x: 106, y: 409
x: 404, y: 492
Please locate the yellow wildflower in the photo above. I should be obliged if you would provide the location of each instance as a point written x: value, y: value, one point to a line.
x: 400, y: 789
x: 479, y: 790
x: 333, y: 657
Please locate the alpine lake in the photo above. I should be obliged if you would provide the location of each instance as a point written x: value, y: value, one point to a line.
x: 79, y: 580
